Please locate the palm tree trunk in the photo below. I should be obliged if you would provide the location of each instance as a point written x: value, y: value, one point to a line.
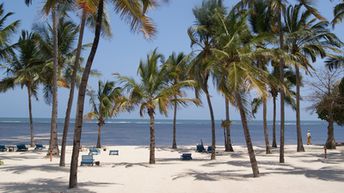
x: 73, y: 178
x: 274, y: 143
x: 32, y: 140
x: 213, y: 139
x: 248, y: 140
x: 53, y: 145
x: 100, y: 125
x: 281, y: 70
x: 300, y: 147
x: 152, y: 137
x: 330, y: 142
x: 72, y: 88
x: 228, y: 143
x: 266, y: 134
x: 174, y: 141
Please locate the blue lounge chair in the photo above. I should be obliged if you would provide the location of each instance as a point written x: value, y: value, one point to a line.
x: 22, y: 147
x: 3, y: 148
x: 39, y: 147
x: 94, y: 151
x: 186, y: 156
x: 209, y: 149
x: 87, y: 160
x: 113, y: 152
x: 200, y: 148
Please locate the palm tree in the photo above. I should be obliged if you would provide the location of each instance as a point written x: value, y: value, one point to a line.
x: 25, y: 70
x: 235, y: 53
x: 88, y: 15
x: 201, y: 36
x: 153, y: 92
x: 260, y: 20
x: 51, y: 6
x: 277, y: 8
x: 133, y: 12
x: 177, y: 66
x: 338, y: 13
x: 305, y: 38
x: 6, y: 31
x: 106, y: 103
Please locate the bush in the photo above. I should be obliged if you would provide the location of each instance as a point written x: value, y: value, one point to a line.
x: 1, y: 162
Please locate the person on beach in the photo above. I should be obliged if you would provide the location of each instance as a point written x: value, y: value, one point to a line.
x: 309, y: 137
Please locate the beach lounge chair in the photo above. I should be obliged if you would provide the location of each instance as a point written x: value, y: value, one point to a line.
x: 186, y: 156
x: 22, y: 147
x: 3, y: 148
x: 39, y: 147
x: 209, y: 149
x: 113, y: 152
x: 87, y: 160
x: 94, y: 151
x: 200, y: 148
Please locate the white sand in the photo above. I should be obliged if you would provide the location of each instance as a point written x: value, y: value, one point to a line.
x: 130, y: 172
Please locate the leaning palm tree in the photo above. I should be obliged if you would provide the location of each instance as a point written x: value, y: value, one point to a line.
x: 134, y: 13
x: 235, y: 53
x: 306, y: 38
x: 153, y: 92
x: 88, y: 15
x: 202, y: 39
x: 106, y: 103
x: 6, y: 32
x: 177, y: 67
x: 25, y: 70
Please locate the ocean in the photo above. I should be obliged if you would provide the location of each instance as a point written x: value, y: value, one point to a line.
x: 136, y: 132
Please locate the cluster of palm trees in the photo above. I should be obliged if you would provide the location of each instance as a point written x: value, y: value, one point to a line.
x: 259, y: 46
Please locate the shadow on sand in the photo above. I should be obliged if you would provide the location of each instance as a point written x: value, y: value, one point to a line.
x: 48, y: 185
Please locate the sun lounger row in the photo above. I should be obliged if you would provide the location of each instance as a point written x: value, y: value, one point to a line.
x: 19, y: 147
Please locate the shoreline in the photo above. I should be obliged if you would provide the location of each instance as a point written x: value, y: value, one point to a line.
x: 130, y: 172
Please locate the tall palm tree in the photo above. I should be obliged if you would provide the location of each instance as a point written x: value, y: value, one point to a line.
x: 25, y: 70
x: 201, y: 36
x: 106, y: 103
x: 306, y: 38
x: 153, y: 92
x: 6, y: 32
x: 88, y: 15
x: 51, y: 6
x: 236, y: 52
x: 177, y: 66
x: 277, y: 8
x: 260, y: 21
x: 134, y: 13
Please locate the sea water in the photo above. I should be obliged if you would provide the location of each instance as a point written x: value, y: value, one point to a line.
x: 136, y: 132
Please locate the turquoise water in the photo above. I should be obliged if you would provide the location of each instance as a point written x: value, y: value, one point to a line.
x: 136, y: 132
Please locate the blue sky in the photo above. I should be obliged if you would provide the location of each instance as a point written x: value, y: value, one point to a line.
x: 122, y: 52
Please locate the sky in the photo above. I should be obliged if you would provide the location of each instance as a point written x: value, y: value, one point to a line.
x: 122, y: 52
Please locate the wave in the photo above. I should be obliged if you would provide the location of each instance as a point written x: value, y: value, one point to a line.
x: 13, y: 121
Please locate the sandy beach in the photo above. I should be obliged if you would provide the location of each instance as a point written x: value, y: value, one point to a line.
x: 130, y: 172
